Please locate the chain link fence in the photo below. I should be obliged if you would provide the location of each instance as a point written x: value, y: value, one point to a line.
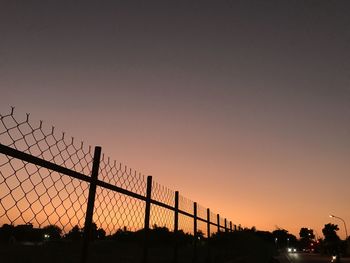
x: 45, y: 179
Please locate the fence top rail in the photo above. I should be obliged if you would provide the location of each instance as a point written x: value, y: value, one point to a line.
x: 41, y: 162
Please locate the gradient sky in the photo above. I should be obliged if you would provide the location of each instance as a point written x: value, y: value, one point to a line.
x: 242, y: 106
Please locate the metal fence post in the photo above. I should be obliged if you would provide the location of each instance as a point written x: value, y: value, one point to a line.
x: 230, y: 226
x: 218, y: 221
x: 90, y: 204
x: 208, y: 222
x: 208, y: 238
x: 176, y: 226
x: 225, y: 225
x: 195, y: 231
x: 147, y: 217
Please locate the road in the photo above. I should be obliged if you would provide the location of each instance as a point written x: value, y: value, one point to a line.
x: 308, y: 258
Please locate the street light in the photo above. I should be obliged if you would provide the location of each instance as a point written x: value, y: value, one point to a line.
x: 346, y: 231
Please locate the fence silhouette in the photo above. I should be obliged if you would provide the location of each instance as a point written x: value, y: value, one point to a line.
x: 47, y: 178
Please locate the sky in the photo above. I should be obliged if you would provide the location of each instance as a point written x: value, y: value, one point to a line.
x: 242, y: 106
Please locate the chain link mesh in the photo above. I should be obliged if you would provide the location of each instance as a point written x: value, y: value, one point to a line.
x: 186, y: 223
x: 202, y: 226
x: 119, y: 175
x: 34, y: 139
x: 163, y: 194
x: 115, y: 211
x: 213, y: 217
x: 31, y: 193
x: 222, y: 223
x: 201, y: 212
x: 186, y: 205
x: 162, y: 217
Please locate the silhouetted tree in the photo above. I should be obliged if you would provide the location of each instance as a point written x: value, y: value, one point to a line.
x: 75, y: 234
x: 160, y: 234
x: 330, y: 232
x: 200, y: 234
x: 6, y: 232
x: 97, y: 233
x: 124, y: 235
x: 306, y: 233
x: 331, y: 239
x: 101, y: 234
x: 27, y: 233
x: 306, y: 237
x: 281, y: 237
x: 266, y: 236
x: 53, y: 232
x: 184, y: 238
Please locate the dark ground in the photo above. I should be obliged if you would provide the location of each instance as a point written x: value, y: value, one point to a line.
x: 111, y: 251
